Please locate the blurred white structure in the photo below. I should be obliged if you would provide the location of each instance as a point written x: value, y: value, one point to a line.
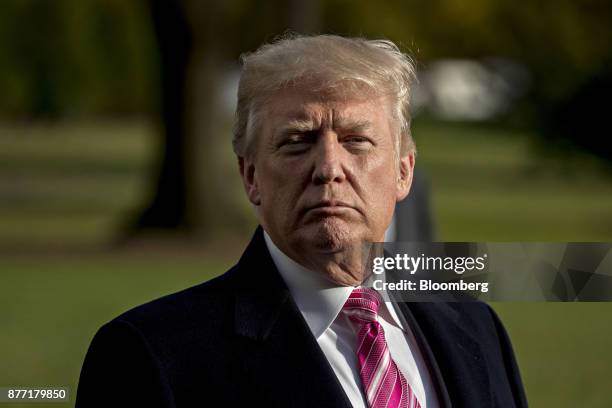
x: 468, y: 89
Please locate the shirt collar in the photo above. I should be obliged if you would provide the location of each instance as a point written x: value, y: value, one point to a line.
x: 318, y: 299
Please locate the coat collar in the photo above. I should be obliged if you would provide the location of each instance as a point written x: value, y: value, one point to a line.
x: 286, y: 361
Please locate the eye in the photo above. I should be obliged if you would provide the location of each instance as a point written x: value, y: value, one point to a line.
x: 295, y: 143
x: 295, y: 139
x: 357, y: 141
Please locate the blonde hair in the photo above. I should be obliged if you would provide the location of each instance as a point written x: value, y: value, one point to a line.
x: 331, y: 63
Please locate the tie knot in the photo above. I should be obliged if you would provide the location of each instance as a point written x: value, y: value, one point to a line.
x: 362, y: 305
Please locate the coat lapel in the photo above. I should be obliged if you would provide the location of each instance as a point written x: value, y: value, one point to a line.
x: 285, y: 361
x: 408, y: 320
x: 455, y: 355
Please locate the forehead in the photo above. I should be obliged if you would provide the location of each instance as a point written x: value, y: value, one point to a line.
x: 330, y: 106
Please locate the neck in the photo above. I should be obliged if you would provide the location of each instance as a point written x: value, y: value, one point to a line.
x: 345, y: 267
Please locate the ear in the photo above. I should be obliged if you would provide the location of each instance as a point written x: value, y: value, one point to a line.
x: 404, y: 179
x: 247, y: 172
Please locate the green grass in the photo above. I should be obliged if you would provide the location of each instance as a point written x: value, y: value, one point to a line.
x: 66, y: 189
x: 488, y: 185
x: 52, y: 306
x: 72, y: 184
x: 563, y: 350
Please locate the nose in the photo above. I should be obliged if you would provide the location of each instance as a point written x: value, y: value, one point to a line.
x: 328, y: 166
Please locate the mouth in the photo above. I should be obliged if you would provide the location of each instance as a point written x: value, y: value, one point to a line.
x: 330, y: 207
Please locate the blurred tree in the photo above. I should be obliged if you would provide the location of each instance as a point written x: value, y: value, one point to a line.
x: 580, y: 118
x: 170, y: 204
x: 74, y: 59
x: 199, y: 42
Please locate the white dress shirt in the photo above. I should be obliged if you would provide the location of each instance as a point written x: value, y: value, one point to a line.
x: 320, y: 302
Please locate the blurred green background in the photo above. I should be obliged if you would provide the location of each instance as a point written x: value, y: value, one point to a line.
x: 115, y: 158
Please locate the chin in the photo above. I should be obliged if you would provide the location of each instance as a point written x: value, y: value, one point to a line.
x: 332, y: 235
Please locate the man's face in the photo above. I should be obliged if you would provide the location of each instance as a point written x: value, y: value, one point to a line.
x: 325, y: 174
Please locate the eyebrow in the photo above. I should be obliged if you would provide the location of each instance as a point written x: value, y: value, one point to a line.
x: 296, y: 126
x: 307, y: 125
x: 354, y: 126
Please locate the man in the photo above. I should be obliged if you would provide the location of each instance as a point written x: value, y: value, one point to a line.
x: 324, y: 149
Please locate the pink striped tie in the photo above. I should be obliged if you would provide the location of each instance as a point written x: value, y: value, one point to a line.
x: 383, y: 383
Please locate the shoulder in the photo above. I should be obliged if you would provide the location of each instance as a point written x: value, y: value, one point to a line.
x: 468, y: 319
x: 480, y: 316
x: 207, y: 304
x: 203, y: 313
x: 476, y: 314
x: 134, y: 353
x: 159, y: 338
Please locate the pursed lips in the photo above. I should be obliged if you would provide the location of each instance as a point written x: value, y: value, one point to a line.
x: 330, y: 207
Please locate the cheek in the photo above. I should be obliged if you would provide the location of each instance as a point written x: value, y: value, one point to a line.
x: 379, y: 183
x: 277, y: 186
x: 381, y: 173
